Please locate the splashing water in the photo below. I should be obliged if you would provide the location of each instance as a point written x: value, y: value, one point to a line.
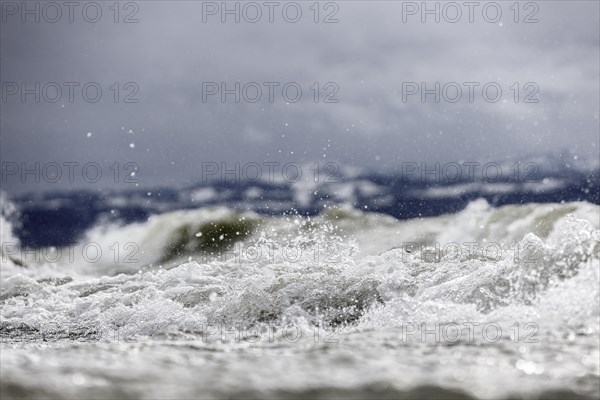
x: 485, y: 303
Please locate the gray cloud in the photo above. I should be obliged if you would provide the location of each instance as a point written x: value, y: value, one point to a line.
x: 368, y: 54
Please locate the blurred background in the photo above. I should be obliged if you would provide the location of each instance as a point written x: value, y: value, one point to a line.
x: 153, y: 65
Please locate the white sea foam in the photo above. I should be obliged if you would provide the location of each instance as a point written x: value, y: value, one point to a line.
x: 374, y: 298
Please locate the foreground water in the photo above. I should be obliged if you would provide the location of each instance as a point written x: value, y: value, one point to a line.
x: 486, y: 303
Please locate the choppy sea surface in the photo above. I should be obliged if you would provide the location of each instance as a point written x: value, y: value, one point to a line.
x: 360, y: 286
x: 487, y: 303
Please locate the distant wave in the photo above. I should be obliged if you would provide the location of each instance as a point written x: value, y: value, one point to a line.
x: 59, y: 218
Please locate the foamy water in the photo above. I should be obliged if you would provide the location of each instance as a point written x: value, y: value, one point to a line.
x: 488, y: 303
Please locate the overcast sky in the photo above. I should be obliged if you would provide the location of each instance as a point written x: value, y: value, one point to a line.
x: 367, y: 55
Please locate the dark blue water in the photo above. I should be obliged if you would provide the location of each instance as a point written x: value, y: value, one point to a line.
x: 60, y: 217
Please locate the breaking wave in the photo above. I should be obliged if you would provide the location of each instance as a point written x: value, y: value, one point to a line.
x: 487, y: 302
